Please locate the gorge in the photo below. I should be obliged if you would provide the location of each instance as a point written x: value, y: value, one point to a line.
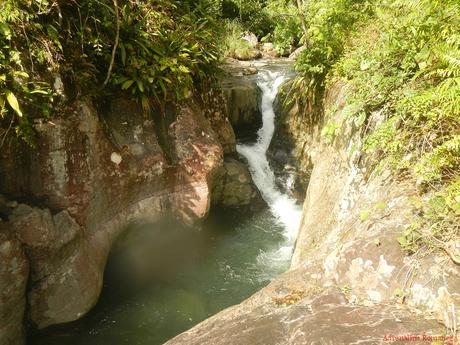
x: 231, y: 257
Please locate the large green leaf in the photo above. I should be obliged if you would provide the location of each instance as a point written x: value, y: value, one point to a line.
x: 13, y: 102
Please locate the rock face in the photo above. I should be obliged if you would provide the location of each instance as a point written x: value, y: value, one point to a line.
x: 296, y: 53
x: 92, y: 173
x: 60, y: 266
x: 350, y: 282
x: 242, y: 95
x: 352, y: 217
x: 14, y: 271
x: 251, y: 38
x: 235, y: 187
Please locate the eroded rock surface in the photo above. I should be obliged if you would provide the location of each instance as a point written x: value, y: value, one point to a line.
x: 92, y: 173
x: 235, y: 187
x: 350, y: 282
x: 242, y: 95
x: 14, y: 271
x: 286, y: 317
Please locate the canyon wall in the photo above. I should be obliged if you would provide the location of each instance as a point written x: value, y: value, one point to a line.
x: 350, y: 282
x: 92, y: 172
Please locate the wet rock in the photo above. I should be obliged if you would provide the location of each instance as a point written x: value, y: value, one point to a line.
x: 60, y: 266
x: 235, y: 187
x: 250, y: 71
x: 14, y: 271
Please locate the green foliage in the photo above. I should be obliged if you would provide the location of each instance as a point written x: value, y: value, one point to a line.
x: 157, y: 51
x: 401, y: 60
x: 329, y: 24
x: 404, y: 62
x: 234, y: 46
x: 20, y: 92
x: 287, y: 30
x: 252, y: 14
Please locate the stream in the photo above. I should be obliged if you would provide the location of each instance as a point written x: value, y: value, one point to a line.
x: 196, y: 276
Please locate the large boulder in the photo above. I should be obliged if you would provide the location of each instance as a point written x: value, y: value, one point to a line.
x: 297, y: 316
x: 235, y: 187
x: 61, y: 268
x: 242, y: 95
x: 296, y: 53
x: 14, y: 271
x: 247, y: 54
x: 269, y: 50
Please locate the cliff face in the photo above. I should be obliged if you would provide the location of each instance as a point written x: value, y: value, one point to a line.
x: 92, y: 173
x: 352, y: 217
x: 350, y: 281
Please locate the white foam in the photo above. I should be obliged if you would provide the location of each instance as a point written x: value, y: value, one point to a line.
x: 285, y: 209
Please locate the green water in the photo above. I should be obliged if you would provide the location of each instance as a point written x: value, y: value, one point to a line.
x: 167, y: 279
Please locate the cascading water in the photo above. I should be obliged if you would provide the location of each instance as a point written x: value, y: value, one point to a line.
x: 285, y: 209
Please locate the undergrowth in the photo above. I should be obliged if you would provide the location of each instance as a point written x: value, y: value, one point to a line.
x: 154, y: 50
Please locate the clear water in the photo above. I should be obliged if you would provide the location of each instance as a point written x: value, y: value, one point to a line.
x: 166, y: 279
x: 220, y: 266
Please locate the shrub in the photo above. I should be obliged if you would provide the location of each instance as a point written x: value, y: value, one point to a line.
x: 156, y: 51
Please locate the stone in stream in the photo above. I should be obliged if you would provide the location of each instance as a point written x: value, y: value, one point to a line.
x: 235, y: 187
x: 242, y: 95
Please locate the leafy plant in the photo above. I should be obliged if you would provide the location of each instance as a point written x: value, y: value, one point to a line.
x: 156, y: 51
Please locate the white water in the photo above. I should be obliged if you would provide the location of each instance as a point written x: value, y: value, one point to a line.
x: 285, y: 209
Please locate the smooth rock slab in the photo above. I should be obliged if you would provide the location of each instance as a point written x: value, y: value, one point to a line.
x: 324, y: 320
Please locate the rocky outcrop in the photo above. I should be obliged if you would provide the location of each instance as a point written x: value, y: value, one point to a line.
x: 235, y: 187
x: 296, y: 53
x: 352, y: 217
x: 14, y: 271
x: 60, y: 265
x: 94, y: 171
x: 242, y: 95
x: 292, y: 311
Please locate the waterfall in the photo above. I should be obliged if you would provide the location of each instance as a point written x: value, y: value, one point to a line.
x: 283, y: 208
